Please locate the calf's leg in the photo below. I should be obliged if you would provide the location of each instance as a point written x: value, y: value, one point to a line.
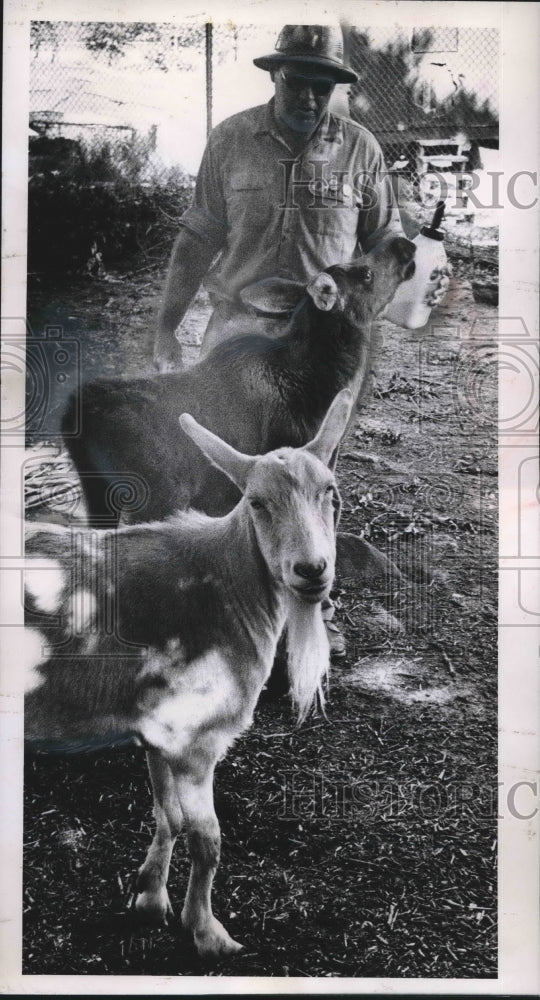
x: 153, y: 901
x: 194, y: 790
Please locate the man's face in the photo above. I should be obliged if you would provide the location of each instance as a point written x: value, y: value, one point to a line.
x: 303, y: 93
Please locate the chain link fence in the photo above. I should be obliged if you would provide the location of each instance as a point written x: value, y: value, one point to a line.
x: 431, y: 96
x: 145, y: 90
x: 109, y: 96
x: 146, y: 93
x: 131, y: 103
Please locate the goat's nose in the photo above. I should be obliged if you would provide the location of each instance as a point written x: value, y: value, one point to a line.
x: 309, y: 570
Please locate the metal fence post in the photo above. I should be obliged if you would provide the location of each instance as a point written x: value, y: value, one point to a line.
x: 208, y: 49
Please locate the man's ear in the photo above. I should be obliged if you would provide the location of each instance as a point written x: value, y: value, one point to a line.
x: 324, y: 291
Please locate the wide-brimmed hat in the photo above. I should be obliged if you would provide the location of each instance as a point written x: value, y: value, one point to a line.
x: 318, y: 44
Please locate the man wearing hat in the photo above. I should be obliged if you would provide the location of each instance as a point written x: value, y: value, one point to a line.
x: 284, y: 189
x: 287, y: 188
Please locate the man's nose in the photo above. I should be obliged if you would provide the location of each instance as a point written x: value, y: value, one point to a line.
x: 306, y: 93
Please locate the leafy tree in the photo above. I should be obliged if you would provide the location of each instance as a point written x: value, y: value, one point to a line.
x: 44, y: 33
x: 386, y: 93
x: 165, y: 45
x: 165, y: 39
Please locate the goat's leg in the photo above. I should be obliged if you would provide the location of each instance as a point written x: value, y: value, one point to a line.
x: 97, y: 489
x: 96, y: 482
x: 153, y: 901
x: 203, y: 837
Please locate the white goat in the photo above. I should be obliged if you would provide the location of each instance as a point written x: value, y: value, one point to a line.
x: 199, y: 604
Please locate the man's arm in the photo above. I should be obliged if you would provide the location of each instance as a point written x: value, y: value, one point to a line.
x: 202, y: 235
x: 190, y: 260
x: 379, y: 215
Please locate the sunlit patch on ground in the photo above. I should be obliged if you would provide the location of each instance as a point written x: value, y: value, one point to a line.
x: 405, y: 680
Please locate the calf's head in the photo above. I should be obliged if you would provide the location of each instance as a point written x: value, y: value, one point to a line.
x: 290, y: 499
x: 360, y: 290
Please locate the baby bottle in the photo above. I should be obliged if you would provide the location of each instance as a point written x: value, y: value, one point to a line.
x: 409, y: 307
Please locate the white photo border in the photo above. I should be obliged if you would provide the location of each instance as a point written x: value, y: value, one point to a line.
x: 519, y: 701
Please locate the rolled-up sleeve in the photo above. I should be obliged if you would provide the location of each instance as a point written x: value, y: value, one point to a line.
x: 206, y: 215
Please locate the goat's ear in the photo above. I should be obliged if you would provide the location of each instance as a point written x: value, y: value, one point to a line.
x: 333, y: 427
x: 233, y: 463
x: 403, y: 249
x: 273, y: 296
x: 323, y: 291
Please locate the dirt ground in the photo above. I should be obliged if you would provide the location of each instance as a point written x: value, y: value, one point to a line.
x: 363, y: 844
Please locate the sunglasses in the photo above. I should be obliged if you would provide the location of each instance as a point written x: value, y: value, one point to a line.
x: 321, y: 86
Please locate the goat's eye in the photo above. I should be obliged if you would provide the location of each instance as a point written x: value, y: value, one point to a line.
x: 256, y: 504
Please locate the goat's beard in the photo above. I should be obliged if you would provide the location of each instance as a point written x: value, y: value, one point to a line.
x: 308, y: 654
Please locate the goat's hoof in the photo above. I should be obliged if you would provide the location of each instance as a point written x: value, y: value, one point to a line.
x: 154, y: 907
x: 214, y: 942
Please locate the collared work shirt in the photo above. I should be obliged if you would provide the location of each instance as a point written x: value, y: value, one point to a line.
x: 271, y: 213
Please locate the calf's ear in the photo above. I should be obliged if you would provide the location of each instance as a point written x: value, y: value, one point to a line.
x: 273, y: 296
x: 324, y: 291
x: 403, y: 249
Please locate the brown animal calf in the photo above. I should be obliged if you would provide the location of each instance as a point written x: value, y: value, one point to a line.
x: 255, y: 392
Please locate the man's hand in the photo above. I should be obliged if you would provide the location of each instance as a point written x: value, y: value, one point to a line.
x: 168, y: 356
x: 190, y: 260
x: 437, y: 294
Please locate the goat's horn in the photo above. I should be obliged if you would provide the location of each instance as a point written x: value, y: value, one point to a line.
x: 333, y: 427
x: 233, y: 463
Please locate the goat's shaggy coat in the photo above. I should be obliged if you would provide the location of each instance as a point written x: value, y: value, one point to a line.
x: 168, y: 631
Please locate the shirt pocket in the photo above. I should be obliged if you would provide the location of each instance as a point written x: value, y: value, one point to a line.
x: 248, y: 197
x: 332, y: 213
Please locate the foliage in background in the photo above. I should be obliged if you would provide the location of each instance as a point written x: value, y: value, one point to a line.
x: 116, y: 195
x: 112, y: 198
x: 113, y: 39
x: 167, y: 46
x: 386, y: 92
